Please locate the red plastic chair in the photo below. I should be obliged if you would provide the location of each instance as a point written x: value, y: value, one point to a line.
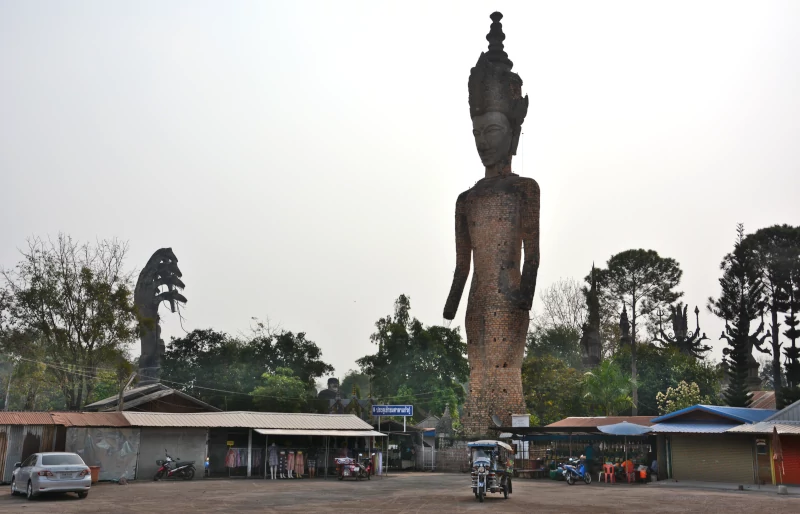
x: 608, y: 473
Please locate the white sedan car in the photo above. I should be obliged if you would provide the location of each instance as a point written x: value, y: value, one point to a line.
x: 55, y: 472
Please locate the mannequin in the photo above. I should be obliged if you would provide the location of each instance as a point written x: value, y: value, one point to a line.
x: 283, y: 463
x: 273, y: 460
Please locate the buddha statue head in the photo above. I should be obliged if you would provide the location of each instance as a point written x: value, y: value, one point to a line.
x: 496, y: 104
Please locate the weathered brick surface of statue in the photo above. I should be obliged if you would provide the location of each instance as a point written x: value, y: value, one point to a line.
x: 497, y: 229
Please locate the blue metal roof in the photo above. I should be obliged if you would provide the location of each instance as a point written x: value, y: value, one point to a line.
x: 740, y: 414
x: 691, y: 428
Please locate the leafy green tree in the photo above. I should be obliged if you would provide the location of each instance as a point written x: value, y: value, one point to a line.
x: 358, y: 380
x: 76, y: 298
x: 552, y: 389
x: 643, y: 281
x: 222, y: 370
x: 559, y: 341
x: 680, y: 397
x: 608, y: 389
x: 776, y: 252
x: 281, y: 391
x: 663, y: 367
x: 414, y: 360
x: 740, y: 302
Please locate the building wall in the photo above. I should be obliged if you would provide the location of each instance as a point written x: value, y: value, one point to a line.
x: 113, y: 449
x: 186, y: 443
x: 452, y: 460
x: 713, y: 458
x: 21, y: 441
x: 790, y: 472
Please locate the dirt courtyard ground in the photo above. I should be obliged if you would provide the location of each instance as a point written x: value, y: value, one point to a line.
x: 429, y: 493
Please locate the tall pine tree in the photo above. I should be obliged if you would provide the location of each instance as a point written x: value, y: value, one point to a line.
x: 776, y: 251
x: 740, y: 302
x: 791, y: 393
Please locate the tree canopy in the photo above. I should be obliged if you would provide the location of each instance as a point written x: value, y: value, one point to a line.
x: 223, y: 370
x: 429, y: 362
x: 73, y: 301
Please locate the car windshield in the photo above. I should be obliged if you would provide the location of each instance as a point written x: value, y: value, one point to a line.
x: 64, y: 459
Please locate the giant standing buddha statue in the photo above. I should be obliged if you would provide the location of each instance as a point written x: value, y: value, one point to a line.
x: 497, y: 227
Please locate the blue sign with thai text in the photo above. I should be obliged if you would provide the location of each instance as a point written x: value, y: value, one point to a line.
x: 392, y: 410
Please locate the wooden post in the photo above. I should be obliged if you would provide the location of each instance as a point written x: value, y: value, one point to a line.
x: 120, y: 400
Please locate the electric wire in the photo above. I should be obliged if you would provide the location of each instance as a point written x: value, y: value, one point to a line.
x: 84, y: 373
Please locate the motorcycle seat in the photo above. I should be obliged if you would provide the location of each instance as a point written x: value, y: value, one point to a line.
x: 183, y: 463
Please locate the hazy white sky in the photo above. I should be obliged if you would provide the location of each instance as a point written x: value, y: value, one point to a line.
x: 303, y: 158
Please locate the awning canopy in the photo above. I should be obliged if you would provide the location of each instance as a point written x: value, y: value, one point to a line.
x: 338, y: 433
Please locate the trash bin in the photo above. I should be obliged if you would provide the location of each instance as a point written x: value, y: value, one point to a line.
x: 95, y: 470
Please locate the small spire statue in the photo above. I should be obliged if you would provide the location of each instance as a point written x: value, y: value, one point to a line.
x: 591, y: 345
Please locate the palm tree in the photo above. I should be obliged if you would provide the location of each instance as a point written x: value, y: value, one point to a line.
x: 608, y: 388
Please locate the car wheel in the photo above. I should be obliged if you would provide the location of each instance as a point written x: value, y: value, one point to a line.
x: 83, y: 494
x: 30, y: 491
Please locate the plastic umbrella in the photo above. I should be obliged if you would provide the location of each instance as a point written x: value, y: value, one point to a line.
x: 624, y: 429
x: 777, y: 451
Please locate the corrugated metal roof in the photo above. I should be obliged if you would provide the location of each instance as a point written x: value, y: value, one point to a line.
x: 25, y: 418
x: 762, y: 400
x: 128, y: 393
x: 691, y: 428
x: 337, y: 433
x: 90, y: 419
x: 599, y: 421
x: 790, y: 413
x: 287, y: 421
x: 765, y: 427
x: 740, y: 414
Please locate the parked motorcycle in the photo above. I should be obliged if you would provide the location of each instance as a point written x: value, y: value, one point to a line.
x: 169, y: 468
x: 575, y: 470
x: 348, y: 467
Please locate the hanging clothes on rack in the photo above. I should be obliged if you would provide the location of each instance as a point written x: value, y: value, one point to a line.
x: 282, y: 464
x: 290, y: 463
x: 256, y: 458
x: 298, y: 464
x: 230, y: 458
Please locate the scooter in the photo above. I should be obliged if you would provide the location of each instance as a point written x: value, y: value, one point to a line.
x: 169, y: 468
x: 575, y: 470
x: 365, y: 468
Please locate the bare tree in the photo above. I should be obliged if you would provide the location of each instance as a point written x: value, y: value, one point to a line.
x: 563, y: 304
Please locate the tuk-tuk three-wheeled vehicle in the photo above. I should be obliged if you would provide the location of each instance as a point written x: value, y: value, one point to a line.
x: 492, y: 465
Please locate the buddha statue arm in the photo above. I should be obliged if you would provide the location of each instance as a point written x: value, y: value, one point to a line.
x: 530, y: 240
x: 463, y: 258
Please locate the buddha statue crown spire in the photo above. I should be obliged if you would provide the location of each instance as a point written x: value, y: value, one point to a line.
x: 493, y: 87
x: 495, y: 37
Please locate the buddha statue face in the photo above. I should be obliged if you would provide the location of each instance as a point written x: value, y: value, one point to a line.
x: 493, y: 136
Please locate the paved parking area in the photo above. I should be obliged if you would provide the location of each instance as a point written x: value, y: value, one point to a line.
x: 429, y: 493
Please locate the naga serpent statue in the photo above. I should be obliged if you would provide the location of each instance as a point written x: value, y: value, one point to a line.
x: 159, y: 281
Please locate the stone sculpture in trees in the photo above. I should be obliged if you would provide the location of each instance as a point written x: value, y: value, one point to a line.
x: 591, y: 345
x: 159, y: 281
x: 497, y: 228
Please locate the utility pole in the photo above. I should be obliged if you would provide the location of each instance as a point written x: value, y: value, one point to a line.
x: 8, y: 386
x: 120, y: 401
